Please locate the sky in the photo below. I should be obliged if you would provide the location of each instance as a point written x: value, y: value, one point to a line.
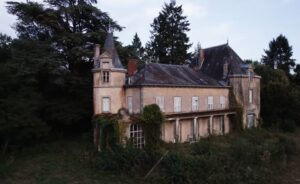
x: 248, y: 26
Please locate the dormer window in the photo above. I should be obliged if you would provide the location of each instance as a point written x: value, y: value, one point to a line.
x: 105, y: 77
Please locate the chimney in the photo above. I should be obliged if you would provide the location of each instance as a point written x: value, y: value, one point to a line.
x: 132, y: 66
x: 201, y: 58
x: 96, y: 55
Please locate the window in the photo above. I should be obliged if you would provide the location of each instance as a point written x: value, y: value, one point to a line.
x: 251, y: 75
x: 251, y: 96
x: 137, y: 136
x: 177, y: 104
x: 195, y: 101
x: 129, y: 80
x: 250, y: 120
x: 222, y: 102
x: 105, y: 104
x: 129, y: 103
x: 105, y: 77
x: 210, y: 102
x: 160, y: 101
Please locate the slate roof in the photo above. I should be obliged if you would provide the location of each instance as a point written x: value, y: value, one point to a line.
x: 109, y: 46
x: 155, y: 74
x: 215, y: 57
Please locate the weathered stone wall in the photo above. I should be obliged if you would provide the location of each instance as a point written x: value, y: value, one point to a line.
x: 241, y: 86
x: 149, y: 94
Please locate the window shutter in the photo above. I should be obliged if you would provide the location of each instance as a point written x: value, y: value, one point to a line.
x: 210, y: 102
x: 177, y: 104
x: 222, y: 102
x: 105, y: 104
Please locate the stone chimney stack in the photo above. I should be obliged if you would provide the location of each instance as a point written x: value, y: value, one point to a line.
x: 96, y: 56
x: 201, y: 58
x: 132, y: 66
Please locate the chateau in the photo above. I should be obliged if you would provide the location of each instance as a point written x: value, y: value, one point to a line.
x: 198, y: 100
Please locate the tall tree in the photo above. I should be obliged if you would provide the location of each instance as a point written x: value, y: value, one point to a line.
x: 279, y: 55
x: 137, y: 46
x: 21, y: 82
x: 71, y: 26
x: 169, y: 42
x: 66, y: 31
x: 296, y: 78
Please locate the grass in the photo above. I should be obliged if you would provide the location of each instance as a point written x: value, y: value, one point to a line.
x: 59, y: 162
x: 71, y: 161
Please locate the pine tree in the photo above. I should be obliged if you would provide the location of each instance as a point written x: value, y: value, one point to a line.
x: 279, y: 55
x: 137, y: 46
x: 169, y: 42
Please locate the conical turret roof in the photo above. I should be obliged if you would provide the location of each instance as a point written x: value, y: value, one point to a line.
x: 109, y: 46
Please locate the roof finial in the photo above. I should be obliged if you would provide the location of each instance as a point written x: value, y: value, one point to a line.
x: 227, y: 41
x: 109, y: 27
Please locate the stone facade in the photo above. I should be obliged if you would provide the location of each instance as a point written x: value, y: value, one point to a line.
x: 195, y: 99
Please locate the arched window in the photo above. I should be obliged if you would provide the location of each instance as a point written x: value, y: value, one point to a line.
x: 137, y: 135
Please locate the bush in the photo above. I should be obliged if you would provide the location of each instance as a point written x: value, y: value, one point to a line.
x: 151, y: 120
x: 247, y: 157
x: 288, y: 125
x: 130, y: 161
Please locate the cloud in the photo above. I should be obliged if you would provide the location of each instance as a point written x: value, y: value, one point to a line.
x: 152, y: 12
x: 192, y: 9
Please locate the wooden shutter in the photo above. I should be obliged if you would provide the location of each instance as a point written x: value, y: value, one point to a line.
x: 105, y: 104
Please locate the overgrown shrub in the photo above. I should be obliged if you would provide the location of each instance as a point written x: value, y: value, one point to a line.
x: 151, y: 120
x: 108, y: 126
x: 247, y: 157
x: 287, y: 125
x: 130, y: 161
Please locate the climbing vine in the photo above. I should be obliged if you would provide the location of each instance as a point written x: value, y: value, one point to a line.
x: 237, y: 120
x: 151, y: 120
x: 109, y: 129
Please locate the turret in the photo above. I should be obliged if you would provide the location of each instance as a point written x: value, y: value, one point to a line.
x: 108, y: 79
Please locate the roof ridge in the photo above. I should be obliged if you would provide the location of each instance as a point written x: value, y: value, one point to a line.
x: 222, y: 45
x: 167, y: 64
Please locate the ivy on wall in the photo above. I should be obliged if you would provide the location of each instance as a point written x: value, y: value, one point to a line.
x: 151, y: 120
x: 237, y: 119
x: 110, y: 130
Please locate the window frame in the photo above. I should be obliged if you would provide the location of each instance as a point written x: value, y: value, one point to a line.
x: 160, y: 101
x: 137, y: 135
x: 105, y: 77
x: 109, y: 104
x: 222, y: 102
x: 177, y: 108
x: 251, y: 75
x: 195, y: 106
x: 210, y: 102
x: 250, y: 124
